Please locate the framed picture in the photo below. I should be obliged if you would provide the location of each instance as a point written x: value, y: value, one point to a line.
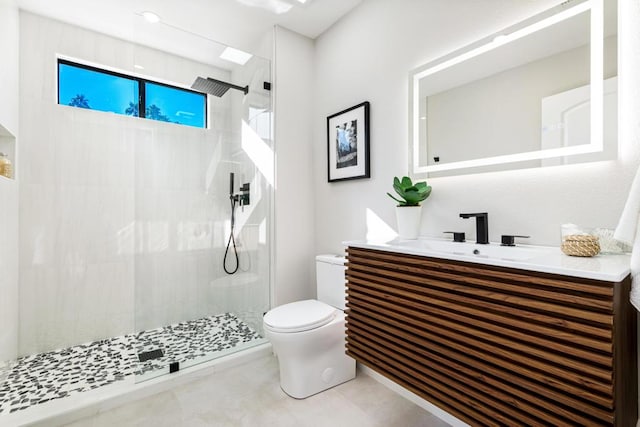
x: 348, y: 143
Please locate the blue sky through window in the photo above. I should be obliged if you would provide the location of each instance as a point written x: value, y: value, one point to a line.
x: 177, y: 105
x: 84, y: 87
x: 104, y: 92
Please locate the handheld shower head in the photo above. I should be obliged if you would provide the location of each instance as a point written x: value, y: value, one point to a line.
x: 216, y: 87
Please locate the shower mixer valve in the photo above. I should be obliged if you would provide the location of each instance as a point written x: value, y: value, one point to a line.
x: 242, y: 198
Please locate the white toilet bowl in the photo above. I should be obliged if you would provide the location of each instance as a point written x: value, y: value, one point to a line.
x: 308, y: 338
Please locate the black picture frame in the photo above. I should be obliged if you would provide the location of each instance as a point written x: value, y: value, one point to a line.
x: 348, y: 144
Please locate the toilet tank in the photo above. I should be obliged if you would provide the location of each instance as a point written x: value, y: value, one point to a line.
x: 330, y: 280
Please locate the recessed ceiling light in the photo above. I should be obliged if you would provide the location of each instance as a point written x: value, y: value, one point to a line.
x: 139, y: 67
x: 275, y: 6
x: 235, y: 55
x: 151, y: 17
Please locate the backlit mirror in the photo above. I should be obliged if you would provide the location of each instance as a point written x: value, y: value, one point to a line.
x: 542, y: 92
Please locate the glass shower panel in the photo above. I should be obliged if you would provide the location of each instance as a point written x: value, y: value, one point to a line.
x: 188, y: 310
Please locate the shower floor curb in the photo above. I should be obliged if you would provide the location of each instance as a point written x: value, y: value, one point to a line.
x: 73, y: 408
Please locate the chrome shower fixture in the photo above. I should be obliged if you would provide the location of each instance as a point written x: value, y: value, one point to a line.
x: 215, y: 87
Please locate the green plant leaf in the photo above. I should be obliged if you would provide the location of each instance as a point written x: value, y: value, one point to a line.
x: 412, y: 194
x: 400, y: 202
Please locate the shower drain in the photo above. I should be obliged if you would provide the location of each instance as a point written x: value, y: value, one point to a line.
x: 150, y: 355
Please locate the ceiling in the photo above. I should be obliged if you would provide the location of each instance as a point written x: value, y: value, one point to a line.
x: 238, y: 23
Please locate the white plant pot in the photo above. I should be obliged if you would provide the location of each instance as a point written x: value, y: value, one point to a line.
x: 408, y: 218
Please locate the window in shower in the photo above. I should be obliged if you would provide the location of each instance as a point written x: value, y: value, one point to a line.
x: 182, y: 106
x: 87, y: 87
x: 84, y: 86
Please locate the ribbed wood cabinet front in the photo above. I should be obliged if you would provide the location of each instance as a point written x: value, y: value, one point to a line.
x: 493, y: 345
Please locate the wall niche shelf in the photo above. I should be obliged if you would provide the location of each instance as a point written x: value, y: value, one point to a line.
x: 8, y: 147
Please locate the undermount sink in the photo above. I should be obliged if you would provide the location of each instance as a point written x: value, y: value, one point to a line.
x: 492, y: 250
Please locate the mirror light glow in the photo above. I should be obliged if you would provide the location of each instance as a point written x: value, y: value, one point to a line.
x: 596, y: 88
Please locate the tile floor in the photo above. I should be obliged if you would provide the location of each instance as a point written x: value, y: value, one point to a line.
x: 39, y: 378
x: 250, y: 395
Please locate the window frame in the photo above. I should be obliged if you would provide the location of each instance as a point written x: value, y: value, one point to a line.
x: 142, y: 100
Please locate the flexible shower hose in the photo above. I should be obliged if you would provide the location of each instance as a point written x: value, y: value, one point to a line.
x: 232, y: 240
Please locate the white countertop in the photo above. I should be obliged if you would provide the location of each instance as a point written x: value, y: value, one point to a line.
x: 546, y: 259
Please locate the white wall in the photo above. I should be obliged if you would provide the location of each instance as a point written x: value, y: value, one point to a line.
x: 9, y: 69
x: 8, y: 188
x: 629, y: 93
x: 294, y: 198
x: 367, y: 56
x: 629, y: 66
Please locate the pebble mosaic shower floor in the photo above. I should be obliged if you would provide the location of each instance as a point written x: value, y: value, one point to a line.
x: 42, y: 377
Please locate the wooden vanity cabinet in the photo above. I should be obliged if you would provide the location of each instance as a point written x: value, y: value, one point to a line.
x: 495, y: 345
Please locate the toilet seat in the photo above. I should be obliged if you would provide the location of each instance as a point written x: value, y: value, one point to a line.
x: 299, y: 316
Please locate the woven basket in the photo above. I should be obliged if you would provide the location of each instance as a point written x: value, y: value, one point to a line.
x: 580, y: 245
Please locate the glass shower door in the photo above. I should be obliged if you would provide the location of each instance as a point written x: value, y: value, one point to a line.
x: 188, y: 309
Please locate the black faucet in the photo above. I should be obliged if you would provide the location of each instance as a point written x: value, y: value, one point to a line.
x: 482, y: 226
x: 457, y: 235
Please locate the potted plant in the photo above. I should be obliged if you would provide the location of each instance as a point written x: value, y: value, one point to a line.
x: 409, y: 210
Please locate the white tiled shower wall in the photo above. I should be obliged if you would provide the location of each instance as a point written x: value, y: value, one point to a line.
x: 122, y: 220
x: 8, y: 188
x: 8, y: 270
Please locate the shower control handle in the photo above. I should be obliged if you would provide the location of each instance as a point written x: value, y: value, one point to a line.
x: 244, y: 194
x: 241, y: 198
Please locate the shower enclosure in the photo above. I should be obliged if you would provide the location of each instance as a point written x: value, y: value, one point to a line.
x: 186, y: 305
x: 124, y: 221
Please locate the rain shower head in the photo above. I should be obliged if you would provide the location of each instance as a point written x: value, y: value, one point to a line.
x: 215, y: 87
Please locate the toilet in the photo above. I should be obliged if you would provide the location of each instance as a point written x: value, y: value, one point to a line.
x: 308, y: 337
